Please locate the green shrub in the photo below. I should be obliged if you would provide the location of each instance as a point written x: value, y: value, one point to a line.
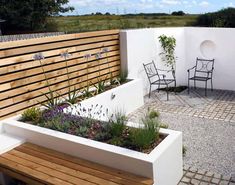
x: 117, y: 124
x: 143, y: 138
x: 222, y: 18
x: 116, y: 141
x: 100, y: 86
x: 32, y: 114
x: 153, y: 114
x: 163, y: 125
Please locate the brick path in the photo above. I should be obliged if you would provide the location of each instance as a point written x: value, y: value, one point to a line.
x: 218, y: 105
x: 193, y: 176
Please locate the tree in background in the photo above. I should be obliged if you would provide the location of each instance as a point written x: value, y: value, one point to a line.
x: 222, y: 18
x: 31, y: 15
x: 179, y: 13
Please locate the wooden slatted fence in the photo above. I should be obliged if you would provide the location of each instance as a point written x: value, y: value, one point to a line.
x: 22, y: 79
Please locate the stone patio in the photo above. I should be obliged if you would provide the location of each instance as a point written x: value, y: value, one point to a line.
x: 218, y: 105
x: 203, y: 177
x: 208, y: 126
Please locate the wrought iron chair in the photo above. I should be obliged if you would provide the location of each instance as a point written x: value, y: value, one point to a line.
x: 158, y: 79
x: 203, y: 71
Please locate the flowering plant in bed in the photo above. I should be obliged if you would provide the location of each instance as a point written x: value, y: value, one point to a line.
x: 114, y: 131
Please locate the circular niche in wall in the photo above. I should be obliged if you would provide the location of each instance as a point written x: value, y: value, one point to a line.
x: 207, y: 49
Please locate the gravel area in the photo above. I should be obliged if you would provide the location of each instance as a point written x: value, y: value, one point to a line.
x: 210, y: 143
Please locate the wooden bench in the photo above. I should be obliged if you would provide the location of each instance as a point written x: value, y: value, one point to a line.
x: 37, y: 165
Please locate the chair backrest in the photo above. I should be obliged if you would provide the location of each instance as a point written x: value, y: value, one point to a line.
x: 204, y: 66
x: 151, y: 71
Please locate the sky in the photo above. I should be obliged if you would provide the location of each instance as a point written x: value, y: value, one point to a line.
x: 148, y: 6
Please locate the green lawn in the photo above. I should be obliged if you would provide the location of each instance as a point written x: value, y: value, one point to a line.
x: 104, y: 22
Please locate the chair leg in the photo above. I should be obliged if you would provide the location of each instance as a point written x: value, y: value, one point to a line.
x: 175, y: 86
x: 211, y: 85
x: 206, y: 89
x: 150, y: 91
x: 158, y: 88
x: 194, y: 84
x: 188, y: 85
x: 167, y: 93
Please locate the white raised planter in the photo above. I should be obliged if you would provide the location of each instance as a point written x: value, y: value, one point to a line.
x: 163, y: 164
x: 126, y: 97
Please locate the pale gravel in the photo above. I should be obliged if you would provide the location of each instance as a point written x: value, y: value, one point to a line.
x: 210, y: 143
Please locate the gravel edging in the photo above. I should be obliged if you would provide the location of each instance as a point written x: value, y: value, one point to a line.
x: 210, y: 143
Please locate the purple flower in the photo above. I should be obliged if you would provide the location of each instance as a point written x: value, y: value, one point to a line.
x: 38, y: 56
x: 65, y: 55
x: 87, y: 56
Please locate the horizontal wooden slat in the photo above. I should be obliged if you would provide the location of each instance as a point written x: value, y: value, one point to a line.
x: 53, y: 60
x: 37, y: 165
x: 41, y: 177
x: 22, y: 80
x: 57, y: 52
x: 12, y: 44
x: 95, y: 169
x: 33, y: 90
x: 19, y: 108
x: 35, y: 101
x: 40, y: 160
x: 39, y: 81
x: 21, y: 177
x: 51, y: 70
x: 38, y: 168
x: 45, y: 47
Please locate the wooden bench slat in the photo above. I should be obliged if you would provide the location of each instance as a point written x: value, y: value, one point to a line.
x: 78, y: 167
x: 56, y: 166
x: 46, y: 170
x: 20, y: 177
x: 37, y: 165
x: 105, y: 169
x: 41, y: 177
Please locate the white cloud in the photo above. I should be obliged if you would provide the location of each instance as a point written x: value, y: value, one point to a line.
x: 194, y: 2
x: 87, y: 3
x: 204, y: 4
x: 171, y: 2
x: 231, y: 4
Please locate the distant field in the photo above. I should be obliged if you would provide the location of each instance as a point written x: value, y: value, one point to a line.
x: 104, y: 22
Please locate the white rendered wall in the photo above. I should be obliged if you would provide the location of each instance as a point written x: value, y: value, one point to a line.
x: 125, y: 98
x: 142, y: 46
x: 220, y: 44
